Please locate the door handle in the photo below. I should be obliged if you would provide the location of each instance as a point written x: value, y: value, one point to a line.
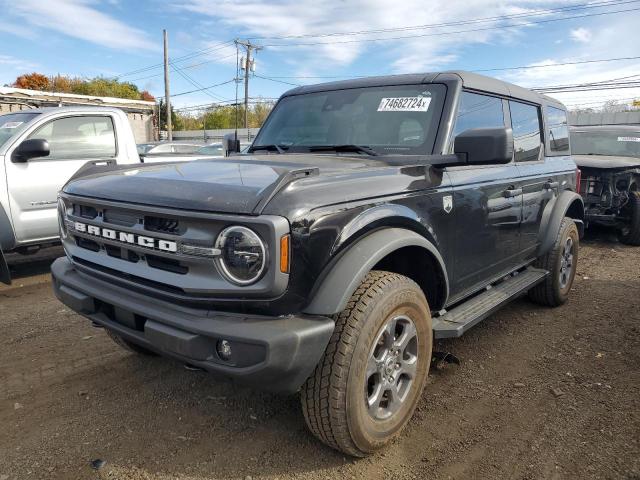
x: 512, y: 192
x: 551, y: 185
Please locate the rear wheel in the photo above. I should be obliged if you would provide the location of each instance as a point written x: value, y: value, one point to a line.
x: 130, y: 346
x: 561, y: 262
x: 630, y: 233
x: 367, y: 385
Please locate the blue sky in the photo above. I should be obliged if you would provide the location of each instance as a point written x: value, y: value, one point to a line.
x: 87, y: 38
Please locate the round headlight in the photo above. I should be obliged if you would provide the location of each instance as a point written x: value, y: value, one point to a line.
x: 243, y: 256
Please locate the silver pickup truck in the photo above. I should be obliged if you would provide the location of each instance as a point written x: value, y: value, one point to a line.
x: 40, y: 150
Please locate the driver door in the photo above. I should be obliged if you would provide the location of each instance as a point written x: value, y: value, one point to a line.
x: 487, y: 204
x: 33, y: 185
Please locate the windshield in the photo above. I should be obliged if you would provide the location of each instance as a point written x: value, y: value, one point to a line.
x: 145, y: 147
x: 213, y: 149
x: 619, y: 143
x: 13, y: 123
x: 398, y: 119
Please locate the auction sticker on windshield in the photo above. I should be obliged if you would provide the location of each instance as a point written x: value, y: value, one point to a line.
x: 404, y: 104
x: 629, y: 139
x: 11, y: 125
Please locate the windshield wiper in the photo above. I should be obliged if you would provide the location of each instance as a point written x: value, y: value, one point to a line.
x: 272, y: 147
x: 343, y: 148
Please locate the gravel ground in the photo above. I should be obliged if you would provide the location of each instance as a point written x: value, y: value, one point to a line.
x: 540, y: 393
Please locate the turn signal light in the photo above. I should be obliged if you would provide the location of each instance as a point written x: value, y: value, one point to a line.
x: 285, y: 253
x: 578, y: 180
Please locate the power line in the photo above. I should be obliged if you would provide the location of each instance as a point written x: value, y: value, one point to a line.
x: 181, y: 58
x: 187, y: 67
x: 200, y: 89
x: 403, y: 37
x: 549, y: 11
x: 273, y: 79
x: 194, y: 82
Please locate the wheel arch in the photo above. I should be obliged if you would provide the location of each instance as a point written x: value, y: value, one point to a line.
x: 395, y: 249
x: 568, y: 204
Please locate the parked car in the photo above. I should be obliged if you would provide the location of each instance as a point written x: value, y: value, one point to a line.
x: 218, y: 149
x: 160, y: 151
x: 369, y: 217
x: 40, y: 149
x: 609, y: 158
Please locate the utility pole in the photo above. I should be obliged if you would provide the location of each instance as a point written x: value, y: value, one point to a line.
x: 167, y: 100
x: 248, y: 61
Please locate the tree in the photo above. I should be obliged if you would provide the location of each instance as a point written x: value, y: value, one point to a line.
x: 32, y: 81
x: 98, y: 86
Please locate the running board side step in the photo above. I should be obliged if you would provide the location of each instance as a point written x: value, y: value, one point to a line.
x: 458, y: 320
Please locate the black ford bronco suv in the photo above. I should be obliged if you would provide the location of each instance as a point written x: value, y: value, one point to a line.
x: 609, y: 159
x: 369, y: 217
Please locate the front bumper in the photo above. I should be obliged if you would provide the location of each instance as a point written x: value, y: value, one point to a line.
x: 271, y: 353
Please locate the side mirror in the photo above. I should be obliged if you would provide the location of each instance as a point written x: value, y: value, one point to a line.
x: 484, y: 146
x: 32, y: 148
x: 231, y: 144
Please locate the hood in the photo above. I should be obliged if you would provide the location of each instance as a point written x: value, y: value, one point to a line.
x: 605, y: 161
x: 230, y: 185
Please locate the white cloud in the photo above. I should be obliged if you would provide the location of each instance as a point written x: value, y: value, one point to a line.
x: 7, y: 61
x: 616, y: 37
x: 581, y: 35
x: 434, y: 49
x: 79, y: 19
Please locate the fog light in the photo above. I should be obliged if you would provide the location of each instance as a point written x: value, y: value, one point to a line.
x: 224, y: 349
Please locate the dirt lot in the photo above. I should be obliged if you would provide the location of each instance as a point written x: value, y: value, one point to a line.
x: 540, y: 393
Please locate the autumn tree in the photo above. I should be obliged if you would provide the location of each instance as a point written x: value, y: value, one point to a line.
x: 98, y: 86
x: 32, y: 81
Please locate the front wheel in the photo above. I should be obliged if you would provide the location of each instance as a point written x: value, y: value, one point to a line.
x: 561, y: 263
x: 630, y: 233
x: 367, y: 385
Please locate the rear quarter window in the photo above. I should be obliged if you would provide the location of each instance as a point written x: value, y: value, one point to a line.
x: 558, y: 130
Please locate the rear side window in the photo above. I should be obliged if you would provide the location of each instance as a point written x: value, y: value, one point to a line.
x: 525, y: 121
x: 79, y: 137
x: 558, y: 130
x: 478, y: 111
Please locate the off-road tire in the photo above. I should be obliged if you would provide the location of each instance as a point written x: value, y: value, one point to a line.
x: 129, y: 346
x: 550, y: 292
x: 332, y: 397
x: 630, y: 235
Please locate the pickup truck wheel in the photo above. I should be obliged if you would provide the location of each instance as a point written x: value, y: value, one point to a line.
x: 130, y: 346
x: 367, y: 385
x: 630, y: 234
x: 561, y: 262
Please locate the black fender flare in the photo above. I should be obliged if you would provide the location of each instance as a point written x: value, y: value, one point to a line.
x: 555, y: 214
x: 7, y: 237
x: 7, y: 242
x: 5, y: 275
x: 349, y: 269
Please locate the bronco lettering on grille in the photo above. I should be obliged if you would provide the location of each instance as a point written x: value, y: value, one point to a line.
x: 125, y: 237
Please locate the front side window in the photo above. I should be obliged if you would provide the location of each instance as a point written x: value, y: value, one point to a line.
x: 478, y: 111
x: 558, y: 130
x: 398, y: 119
x: 525, y: 121
x: 79, y: 137
x: 12, y: 124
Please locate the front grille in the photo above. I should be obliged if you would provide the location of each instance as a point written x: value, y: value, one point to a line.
x: 127, y: 276
x: 162, y: 225
x: 119, y: 217
x: 84, y: 211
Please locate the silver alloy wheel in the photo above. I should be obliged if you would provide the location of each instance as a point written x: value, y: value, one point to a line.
x: 391, y: 367
x: 566, y: 263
